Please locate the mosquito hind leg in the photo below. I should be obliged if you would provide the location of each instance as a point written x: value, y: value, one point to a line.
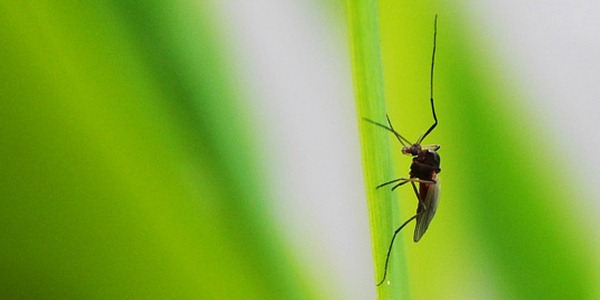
x: 389, y: 251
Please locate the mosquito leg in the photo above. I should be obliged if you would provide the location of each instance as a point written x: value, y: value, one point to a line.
x: 405, y: 180
x: 412, y: 181
x: 418, y: 195
x: 431, y: 83
x: 389, y: 182
x: 432, y: 126
x: 389, y: 252
x: 399, y: 184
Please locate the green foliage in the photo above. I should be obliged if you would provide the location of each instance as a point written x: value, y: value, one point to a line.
x: 504, y: 228
x: 128, y: 170
x: 122, y: 175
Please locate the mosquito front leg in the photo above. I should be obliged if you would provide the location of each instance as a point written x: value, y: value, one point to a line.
x: 405, y: 180
x: 390, y: 182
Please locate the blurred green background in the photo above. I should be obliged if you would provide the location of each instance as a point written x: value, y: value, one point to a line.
x: 209, y: 150
x: 127, y: 164
x: 506, y: 227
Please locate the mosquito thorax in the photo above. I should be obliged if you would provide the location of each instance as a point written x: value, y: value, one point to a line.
x: 425, y: 164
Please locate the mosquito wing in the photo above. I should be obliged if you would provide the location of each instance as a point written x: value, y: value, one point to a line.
x: 434, y: 147
x: 431, y: 201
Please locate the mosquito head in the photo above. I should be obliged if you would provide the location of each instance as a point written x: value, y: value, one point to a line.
x: 412, y: 150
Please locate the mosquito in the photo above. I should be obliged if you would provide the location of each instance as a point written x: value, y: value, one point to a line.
x: 424, y: 170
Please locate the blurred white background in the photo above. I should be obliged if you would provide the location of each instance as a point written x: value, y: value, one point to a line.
x: 553, y: 48
x: 293, y: 57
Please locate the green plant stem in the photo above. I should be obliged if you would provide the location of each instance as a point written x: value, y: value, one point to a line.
x: 377, y: 158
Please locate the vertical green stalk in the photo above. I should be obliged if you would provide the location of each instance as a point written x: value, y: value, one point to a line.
x: 377, y: 158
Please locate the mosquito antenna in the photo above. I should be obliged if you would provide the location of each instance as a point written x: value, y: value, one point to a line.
x: 431, y: 83
x: 400, y: 138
